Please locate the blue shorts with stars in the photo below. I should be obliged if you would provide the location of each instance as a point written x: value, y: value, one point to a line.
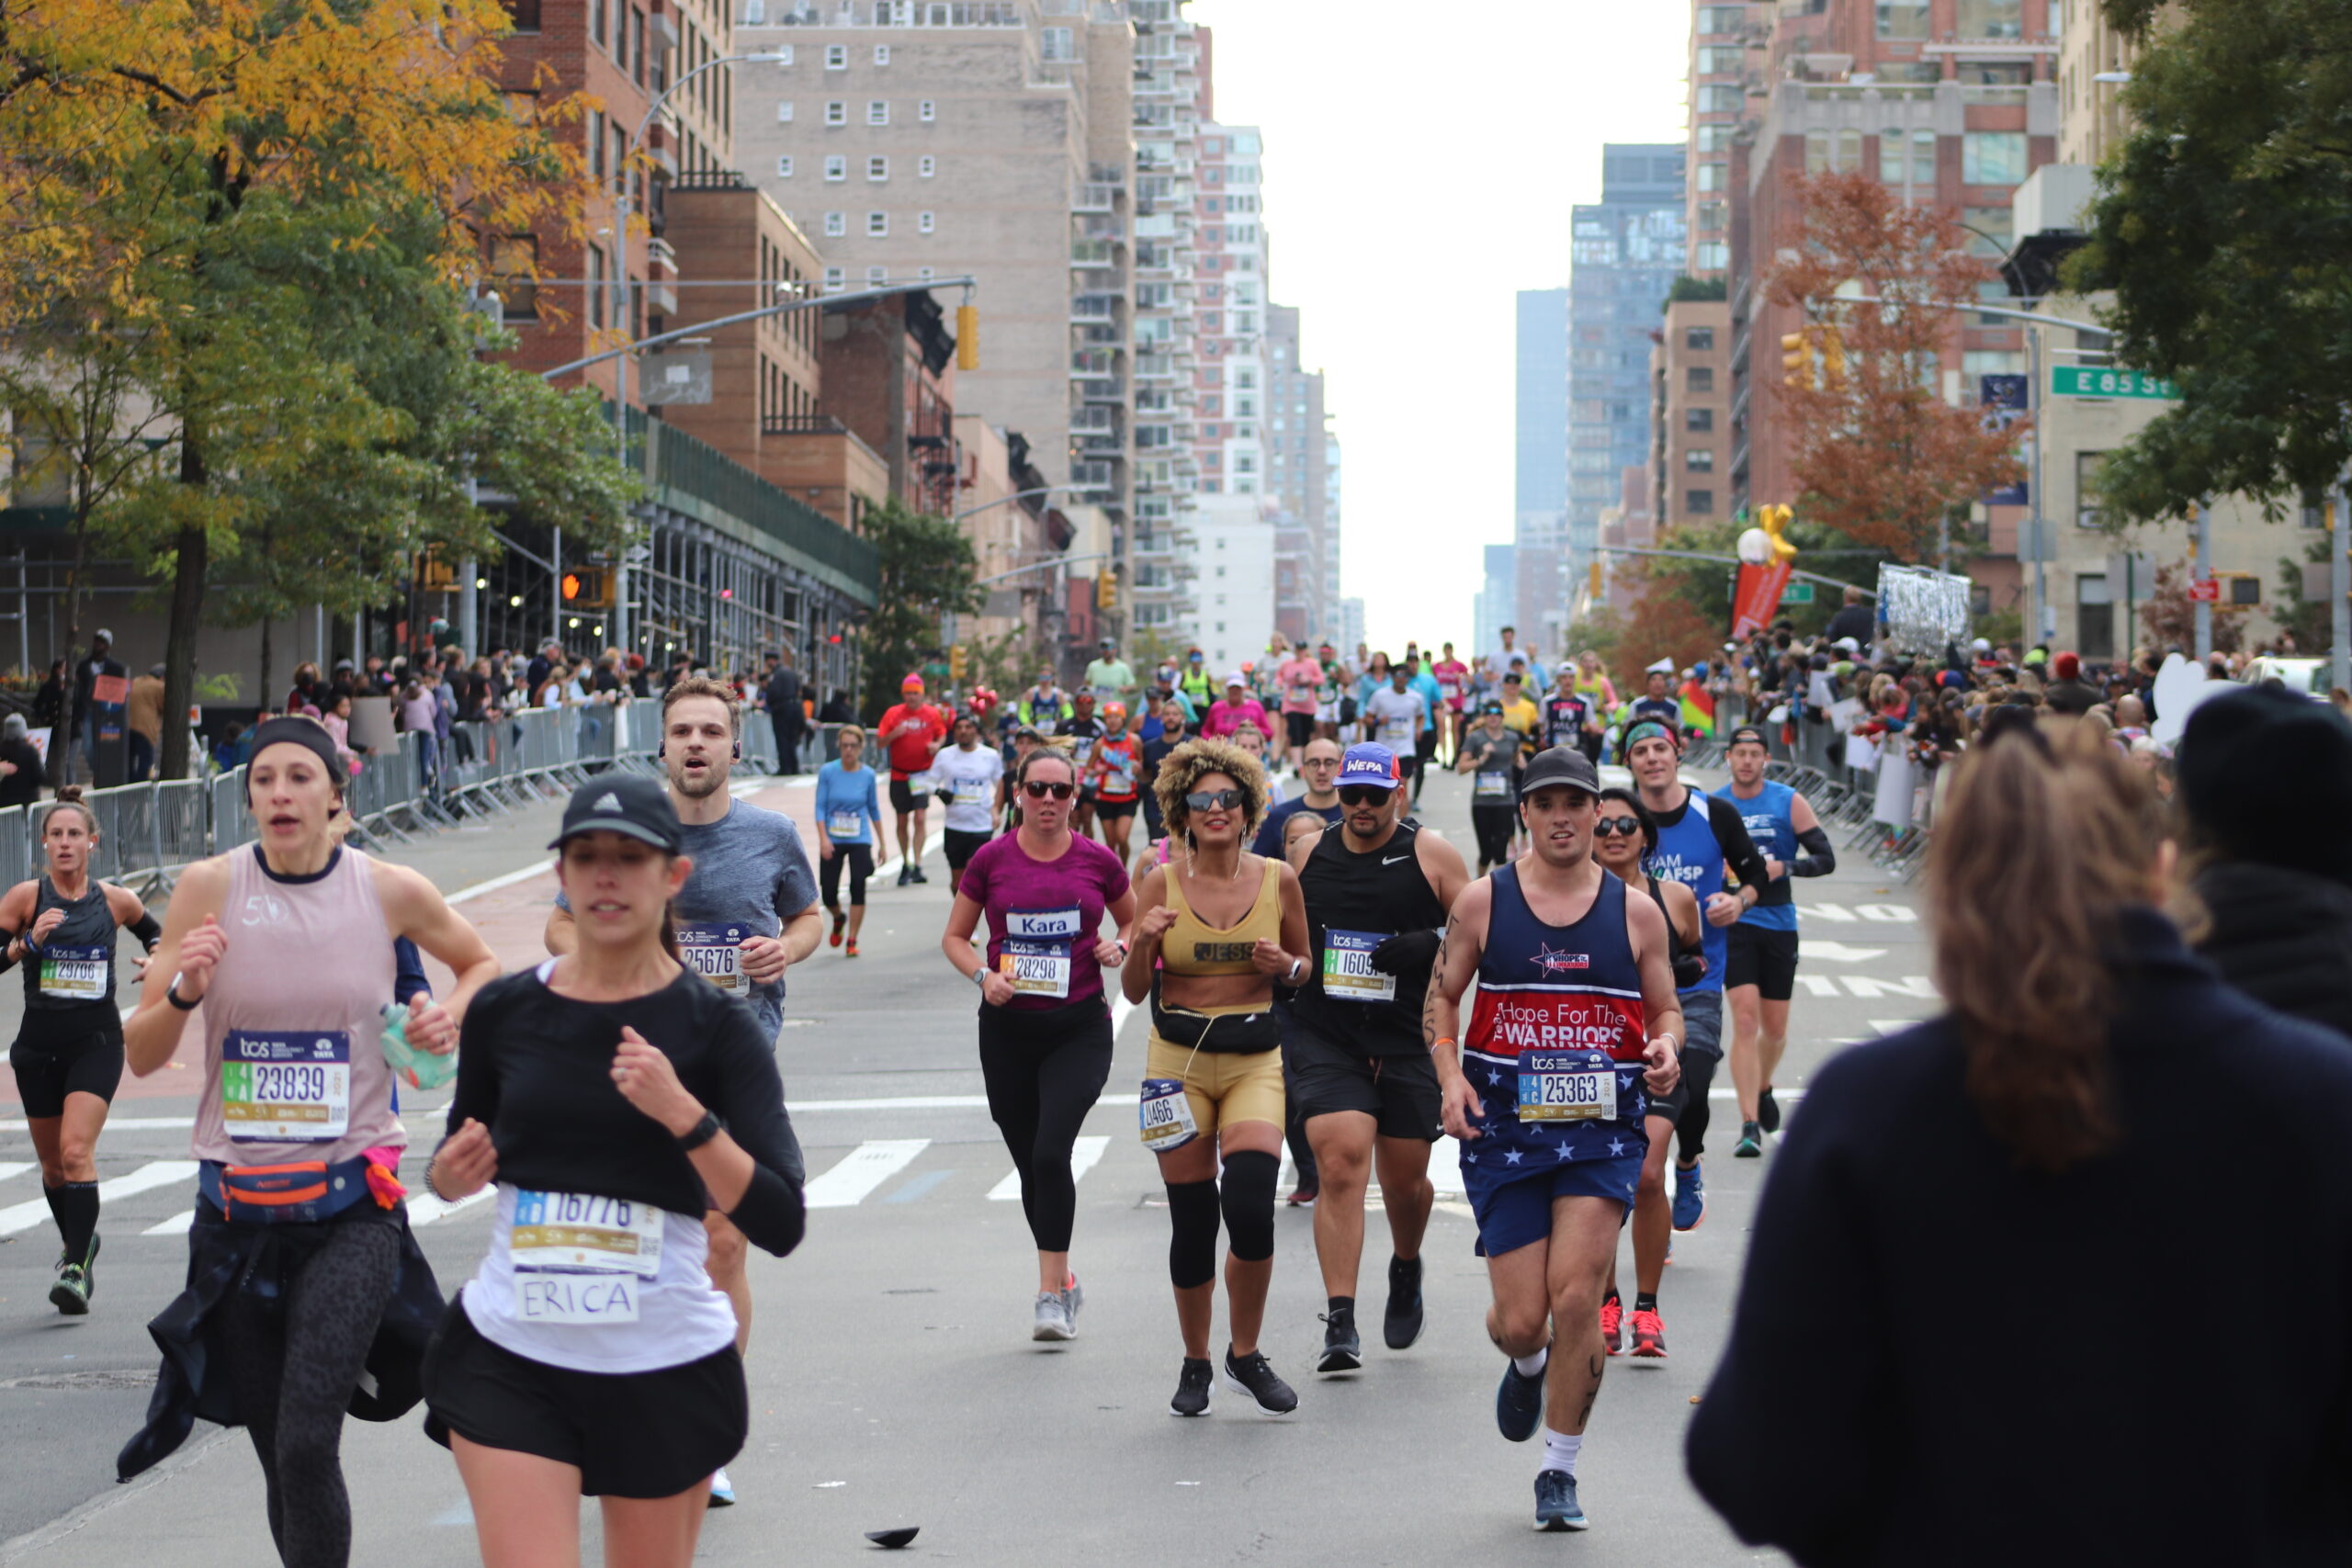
x: 1513, y: 1170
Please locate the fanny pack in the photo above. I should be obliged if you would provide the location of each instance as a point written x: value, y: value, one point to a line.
x: 302, y: 1192
x: 1241, y: 1031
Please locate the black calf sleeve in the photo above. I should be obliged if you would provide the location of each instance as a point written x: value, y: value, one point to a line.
x: 1248, y: 1198
x: 1191, y: 1248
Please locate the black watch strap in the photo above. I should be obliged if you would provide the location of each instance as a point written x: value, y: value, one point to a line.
x: 172, y: 995
x: 704, y: 1131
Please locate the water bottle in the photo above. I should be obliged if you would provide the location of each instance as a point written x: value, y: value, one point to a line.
x: 418, y: 1069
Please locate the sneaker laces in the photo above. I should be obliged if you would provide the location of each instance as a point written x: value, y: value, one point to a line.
x: 1647, y: 1321
x: 1613, y: 1314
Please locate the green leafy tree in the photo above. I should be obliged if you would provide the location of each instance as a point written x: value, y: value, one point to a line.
x: 928, y: 565
x: 2223, y: 228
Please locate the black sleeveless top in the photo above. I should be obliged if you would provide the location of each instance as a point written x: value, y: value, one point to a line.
x: 73, y: 971
x: 1354, y: 902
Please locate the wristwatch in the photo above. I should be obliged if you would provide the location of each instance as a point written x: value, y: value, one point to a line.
x: 702, y: 1132
x: 172, y: 995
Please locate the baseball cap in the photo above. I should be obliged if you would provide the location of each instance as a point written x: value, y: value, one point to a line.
x: 1663, y: 667
x: 1560, y: 765
x: 914, y: 683
x: 1746, y: 732
x: 1369, y: 764
x: 1236, y: 678
x: 1490, y: 705
x: 1849, y: 644
x: 628, y: 803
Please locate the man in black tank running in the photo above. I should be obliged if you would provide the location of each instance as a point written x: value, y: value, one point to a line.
x: 1377, y: 890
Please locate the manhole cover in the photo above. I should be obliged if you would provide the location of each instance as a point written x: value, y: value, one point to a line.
x: 93, y: 1380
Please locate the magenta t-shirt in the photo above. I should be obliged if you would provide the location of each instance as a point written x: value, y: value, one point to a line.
x: 1225, y: 720
x: 1045, y: 916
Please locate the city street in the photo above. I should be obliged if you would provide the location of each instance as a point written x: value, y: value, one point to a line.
x: 893, y: 1379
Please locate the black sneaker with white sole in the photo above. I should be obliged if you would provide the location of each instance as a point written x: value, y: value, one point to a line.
x: 1343, y: 1347
x: 1249, y: 1374
x: 1193, y: 1389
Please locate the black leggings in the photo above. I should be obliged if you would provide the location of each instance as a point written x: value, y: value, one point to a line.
x: 1493, y: 825
x: 292, y: 1364
x: 860, y: 860
x: 1044, y: 1069
x: 1690, y: 1126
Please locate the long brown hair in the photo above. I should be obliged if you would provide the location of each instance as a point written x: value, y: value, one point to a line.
x: 2047, y: 836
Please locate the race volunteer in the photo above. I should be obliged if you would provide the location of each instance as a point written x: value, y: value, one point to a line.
x: 1113, y: 773
x: 1045, y: 1029
x: 68, y: 1054
x: 1376, y: 892
x: 971, y: 779
x: 1301, y: 679
x: 1080, y: 731
x: 1396, y: 715
x: 1218, y: 926
x: 1698, y: 836
x: 307, y: 1296
x: 911, y: 732
x: 613, y: 1095
x: 748, y: 911
x: 1760, y: 961
x: 1489, y: 755
x: 1319, y: 768
x: 849, y: 821
x: 1575, y: 1028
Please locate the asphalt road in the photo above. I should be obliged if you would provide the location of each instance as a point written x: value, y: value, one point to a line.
x: 892, y: 1377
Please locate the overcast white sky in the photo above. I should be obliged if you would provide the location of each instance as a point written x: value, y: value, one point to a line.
x: 1421, y: 161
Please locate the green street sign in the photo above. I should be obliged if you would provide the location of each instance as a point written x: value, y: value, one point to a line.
x: 2088, y: 381
x: 1797, y: 594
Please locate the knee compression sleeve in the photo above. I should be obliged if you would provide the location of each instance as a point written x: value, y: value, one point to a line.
x: 1249, y: 1179
x: 1191, y: 1246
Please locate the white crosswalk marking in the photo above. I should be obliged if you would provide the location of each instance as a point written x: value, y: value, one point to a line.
x: 9, y: 1168
x: 155, y: 1173
x: 865, y: 1168
x: 423, y: 1207
x: 1083, y: 1154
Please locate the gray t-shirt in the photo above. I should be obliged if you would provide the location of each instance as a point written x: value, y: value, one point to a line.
x: 750, y: 875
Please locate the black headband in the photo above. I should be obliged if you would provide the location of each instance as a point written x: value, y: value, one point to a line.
x: 306, y: 733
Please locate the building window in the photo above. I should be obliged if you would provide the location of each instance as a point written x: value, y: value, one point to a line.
x: 1721, y: 60
x: 924, y: 222
x: 1714, y: 176
x: 525, y: 15
x: 1827, y: 152
x: 926, y: 111
x: 878, y: 225
x: 1711, y: 255
x: 1699, y: 460
x: 784, y: 111
x: 1902, y: 19
x: 837, y: 57
x: 837, y: 167
x: 1989, y: 18
x: 1992, y: 158
x: 875, y: 277
x: 836, y: 112
x: 926, y: 165
x: 1920, y: 169
x: 878, y: 112
x: 1055, y: 44
x: 1699, y: 339
x: 1699, y: 502
x: 1716, y: 19
x: 1698, y: 420
x: 878, y: 169
x: 832, y: 280
x: 835, y: 225
x: 881, y: 54
x: 597, y: 26
x: 784, y: 166
x: 1698, y: 379
x: 1722, y: 98
x: 783, y: 51
x: 513, y: 263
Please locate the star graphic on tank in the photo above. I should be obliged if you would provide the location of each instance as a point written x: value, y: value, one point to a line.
x: 1566, y: 1152
x: 1469, y: 1158
x: 1638, y: 1102
x: 1552, y: 963
x: 1493, y: 1078
x: 1616, y: 1147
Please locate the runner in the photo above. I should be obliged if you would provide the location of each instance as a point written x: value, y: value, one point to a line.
x: 1490, y: 754
x: 1217, y: 930
x: 1454, y: 685
x: 971, y: 781
x: 1658, y: 703
x: 68, y: 1054
x: 1026, y: 739
x: 1760, y: 956
x: 614, y: 1098
x: 1044, y: 1027
x: 1109, y: 677
x: 1397, y: 715
x: 1552, y: 1137
x: 1173, y: 720
x: 1236, y: 708
x: 1599, y: 691
x: 307, y: 1295
x: 1117, y: 761
x: 1376, y: 891
x: 1199, y: 691
x: 1319, y: 766
x: 1303, y: 826
x: 748, y: 912
x: 1698, y: 836
x: 849, y: 821
x: 911, y: 732
x: 1081, y: 729
x: 1569, y: 715
x: 1425, y: 686
x: 1622, y: 833
x: 1251, y: 740
x: 1301, y: 679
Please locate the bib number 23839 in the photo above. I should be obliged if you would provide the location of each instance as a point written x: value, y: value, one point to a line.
x: 582, y: 1258
x: 1348, y: 973
x: 287, y: 1086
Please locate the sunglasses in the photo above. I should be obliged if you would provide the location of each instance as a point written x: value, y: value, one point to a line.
x: 1213, y: 800
x: 1363, y: 795
x: 1037, y: 789
x: 1623, y: 827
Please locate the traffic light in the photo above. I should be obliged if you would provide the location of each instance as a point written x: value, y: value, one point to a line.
x: 1833, y: 357
x: 435, y: 575
x: 1106, y: 591
x: 967, y: 337
x: 958, y: 663
x: 1593, y: 580
x: 588, y: 588
x: 1796, y: 358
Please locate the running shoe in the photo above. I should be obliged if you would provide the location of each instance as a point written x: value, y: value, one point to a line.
x: 722, y: 1491
x: 853, y: 950
x: 1612, y: 1322
x: 1751, y: 1142
x: 1193, y: 1389
x: 1304, y: 1195
x: 1556, y: 1508
x: 1400, y: 1325
x: 1249, y: 1374
x: 1649, y: 1336
x: 1343, y: 1347
x: 71, y: 1293
x: 1518, y: 1403
x: 918, y: 875
x: 841, y: 924
x: 1073, y: 1298
x: 906, y: 875
x: 1690, y: 1198
x: 1767, y: 1110
x: 1053, y: 1325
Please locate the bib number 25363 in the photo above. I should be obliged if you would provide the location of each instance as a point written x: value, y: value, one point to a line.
x: 1575, y: 1086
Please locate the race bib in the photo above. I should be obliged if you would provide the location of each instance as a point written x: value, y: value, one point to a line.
x: 1043, y: 925
x: 285, y: 1085
x: 1348, y: 973
x: 74, y: 973
x: 1490, y: 786
x: 1395, y: 733
x: 1119, y: 781
x: 1081, y: 747
x: 844, y: 824
x: 973, y: 792
x: 1166, y: 1115
x: 1577, y: 1086
x: 580, y: 1259
x: 1036, y: 968
x: 715, y: 952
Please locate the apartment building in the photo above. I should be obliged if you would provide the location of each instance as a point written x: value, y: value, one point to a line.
x: 1497, y: 603
x: 1235, y: 586
x: 1689, y: 427
x: 2090, y: 113
x: 1722, y: 68
x: 1540, y: 457
x: 1306, y: 582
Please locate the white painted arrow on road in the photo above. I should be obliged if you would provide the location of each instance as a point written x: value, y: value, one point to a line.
x: 1838, y: 953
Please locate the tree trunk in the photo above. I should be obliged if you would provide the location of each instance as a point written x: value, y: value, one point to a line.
x: 262, y: 697
x: 187, y: 610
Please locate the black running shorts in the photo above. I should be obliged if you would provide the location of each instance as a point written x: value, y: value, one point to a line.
x: 1400, y: 1092
x: 1761, y: 957
x: 53, y: 1061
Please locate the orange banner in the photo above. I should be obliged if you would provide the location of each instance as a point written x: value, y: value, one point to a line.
x: 1758, y: 595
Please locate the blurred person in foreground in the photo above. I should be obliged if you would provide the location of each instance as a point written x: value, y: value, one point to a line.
x: 2015, y: 1211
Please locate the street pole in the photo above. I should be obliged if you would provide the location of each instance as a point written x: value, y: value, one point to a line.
x: 2201, y: 567
x: 2044, y: 620
x: 2339, y: 585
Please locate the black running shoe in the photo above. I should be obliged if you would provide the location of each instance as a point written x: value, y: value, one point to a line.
x: 1191, y: 1389
x: 1556, y: 1508
x: 1767, y: 1110
x: 1342, y: 1351
x: 1249, y: 1374
x: 1401, y: 1323
x: 918, y: 876
x: 1518, y: 1403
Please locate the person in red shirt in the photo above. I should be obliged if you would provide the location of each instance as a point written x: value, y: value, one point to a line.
x: 911, y: 731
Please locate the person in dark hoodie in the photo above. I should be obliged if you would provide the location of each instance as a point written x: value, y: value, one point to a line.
x: 1977, y: 1320
x: 2264, y: 778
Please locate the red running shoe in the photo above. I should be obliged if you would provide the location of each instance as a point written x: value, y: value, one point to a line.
x: 1613, y: 1317
x: 841, y: 923
x: 1649, y: 1336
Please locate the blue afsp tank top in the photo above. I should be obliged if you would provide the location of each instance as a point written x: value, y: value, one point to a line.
x: 1688, y: 852
x: 1771, y: 825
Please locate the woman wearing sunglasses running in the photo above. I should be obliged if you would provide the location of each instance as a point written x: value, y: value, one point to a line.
x: 1219, y: 927
x: 1044, y: 1027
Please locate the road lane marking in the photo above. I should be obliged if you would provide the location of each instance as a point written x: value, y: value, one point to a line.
x: 9, y: 1168
x: 126, y: 1124
x: 154, y: 1174
x: 862, y: 1170
x: 1083, y: 1156
x: 1918, y: 986
x: 1838, y: 953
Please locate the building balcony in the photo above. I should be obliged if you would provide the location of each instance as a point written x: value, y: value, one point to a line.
x: 1095, y: 196
x: 1100, y: 388
x: 1094, y: 307
x: 1093, y: 362
x: 1093, y: 420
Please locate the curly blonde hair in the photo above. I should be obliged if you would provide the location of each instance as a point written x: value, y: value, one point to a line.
x: 1195, y: 760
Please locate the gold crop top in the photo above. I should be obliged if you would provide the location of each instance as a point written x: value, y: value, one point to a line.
x: 1191, y: 946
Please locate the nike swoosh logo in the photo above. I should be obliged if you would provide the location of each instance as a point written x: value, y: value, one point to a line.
x: 1392, y: 860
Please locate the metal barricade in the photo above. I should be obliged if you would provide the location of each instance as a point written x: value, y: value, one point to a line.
x: 16, y: 846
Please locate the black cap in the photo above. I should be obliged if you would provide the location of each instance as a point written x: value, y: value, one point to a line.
x: 1746, y: 732
x: 628, y: 803
x: 2253, y: 759
x: 1560, y: 765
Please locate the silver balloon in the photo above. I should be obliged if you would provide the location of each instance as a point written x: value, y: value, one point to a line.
x: 1923, y: 609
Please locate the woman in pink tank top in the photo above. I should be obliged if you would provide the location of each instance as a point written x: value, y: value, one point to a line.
x: 287, y: 943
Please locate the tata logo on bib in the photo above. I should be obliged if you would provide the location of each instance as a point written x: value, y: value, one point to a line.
x: 324, y: 1050
x: 1552, y: 963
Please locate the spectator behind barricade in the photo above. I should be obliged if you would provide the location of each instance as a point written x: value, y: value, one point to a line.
x: 2074, y: 1184
x: 836, y: 709
x: 144, y: 719
x: 640, y: 682
x: 2265, y: 789
x: 2068, y: 693
x: 48, y: 703
x: 21, y: 769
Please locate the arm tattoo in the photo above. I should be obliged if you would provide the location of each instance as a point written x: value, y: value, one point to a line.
x: 1437, y: 978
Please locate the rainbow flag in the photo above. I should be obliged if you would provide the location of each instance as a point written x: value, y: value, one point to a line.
x: 1697, y: 708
